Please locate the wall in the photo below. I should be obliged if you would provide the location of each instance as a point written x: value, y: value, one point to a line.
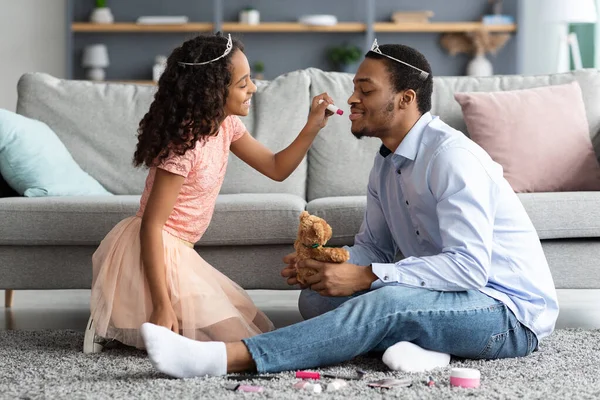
x: 286, y: 51
x: 32, y: 38
x: 537, y: 40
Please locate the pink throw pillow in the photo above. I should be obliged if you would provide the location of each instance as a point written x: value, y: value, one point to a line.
x: 540, y: 136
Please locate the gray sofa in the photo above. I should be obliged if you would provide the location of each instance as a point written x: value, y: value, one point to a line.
x: 47, y: 243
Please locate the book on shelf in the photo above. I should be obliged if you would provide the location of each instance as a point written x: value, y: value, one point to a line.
x: 162, y: 20
x: 400, y: 17
x: 497, y: 19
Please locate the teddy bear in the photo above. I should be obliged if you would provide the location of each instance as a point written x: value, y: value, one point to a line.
x: 313, y: 234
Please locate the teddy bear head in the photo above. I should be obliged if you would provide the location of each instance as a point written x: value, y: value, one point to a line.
x: 313, y: 231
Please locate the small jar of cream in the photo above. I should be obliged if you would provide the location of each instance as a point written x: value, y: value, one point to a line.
x: 465, y: 377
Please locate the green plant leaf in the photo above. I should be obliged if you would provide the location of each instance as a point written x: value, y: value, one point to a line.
x: 259, y: 67
x: 345, y: 54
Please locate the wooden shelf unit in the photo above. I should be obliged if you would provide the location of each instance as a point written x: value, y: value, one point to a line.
x: 132, y: 27
x: 441, y: 27
x: 80, y: 31
x: 291, y: 27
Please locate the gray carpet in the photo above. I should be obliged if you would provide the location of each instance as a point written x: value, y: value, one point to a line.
x: 50, y: 364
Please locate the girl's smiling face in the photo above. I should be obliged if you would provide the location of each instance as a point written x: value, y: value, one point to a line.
x: 241, y: 87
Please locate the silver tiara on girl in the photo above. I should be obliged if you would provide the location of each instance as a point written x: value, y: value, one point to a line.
x: 227, y: 51
x: 375, y: 49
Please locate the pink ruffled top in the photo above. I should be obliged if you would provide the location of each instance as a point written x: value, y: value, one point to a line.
x: 204, y: 169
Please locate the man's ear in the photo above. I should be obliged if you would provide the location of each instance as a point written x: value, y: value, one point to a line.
x: 407, y: 98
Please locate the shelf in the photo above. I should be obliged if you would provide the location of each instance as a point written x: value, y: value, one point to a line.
x: 120, y: 27
x: 441, y: 27
x: 291, y: 27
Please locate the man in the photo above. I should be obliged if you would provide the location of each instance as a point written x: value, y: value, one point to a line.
x: 474, y: 282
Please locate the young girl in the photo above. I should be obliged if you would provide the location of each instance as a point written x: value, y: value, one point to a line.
x: 146, y: 269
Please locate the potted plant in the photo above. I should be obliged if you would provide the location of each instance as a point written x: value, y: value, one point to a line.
x: 250, y: 16
x: 344, y: 57
x: 102, y: 14
x: 259, y: 70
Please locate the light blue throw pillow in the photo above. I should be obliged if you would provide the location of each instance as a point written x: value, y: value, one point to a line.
x: 35, y: 163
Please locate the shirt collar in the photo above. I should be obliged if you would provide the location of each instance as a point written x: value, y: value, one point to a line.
x: 409, y: 146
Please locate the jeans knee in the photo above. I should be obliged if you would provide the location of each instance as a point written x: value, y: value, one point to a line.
x: 311, y: 304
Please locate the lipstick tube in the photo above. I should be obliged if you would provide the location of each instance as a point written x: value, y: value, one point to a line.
x: 332, y: 108
x: 308, y: 375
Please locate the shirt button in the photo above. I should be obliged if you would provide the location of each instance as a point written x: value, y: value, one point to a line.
x: 406, y: 202
x: 422, y: 283
x: 399, y: 171
x: 385, y: 278
x: 418, y: 233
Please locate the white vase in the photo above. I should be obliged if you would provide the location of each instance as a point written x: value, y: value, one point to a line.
x: 102, y: 15
x: 96, y: 74
x: 480, y: 66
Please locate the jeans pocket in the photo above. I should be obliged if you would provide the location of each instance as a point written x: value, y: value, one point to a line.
x: 494, y: 346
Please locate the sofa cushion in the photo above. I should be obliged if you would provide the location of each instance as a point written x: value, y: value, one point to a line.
x: 246, y: 219
x: 338, y: 163
x: 560, y: 215
x: 97, y: 122
x: 279, y: 112
x: 36, y: 163
x: 444, y: 88
x: 540, y: 136
x: 563, y: 215
x: 344, y: 214
x: 250, y: 219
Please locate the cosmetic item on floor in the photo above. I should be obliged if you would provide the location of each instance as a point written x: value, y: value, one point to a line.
x: 311, y: 387
x: 250, y: 377
x: 336, y: 385
x: 430, y: 382
x: 317, y: 375
x: 359, y: 375
x: 308, y: 375
x: 389, y: 383
x: 244, y: 388
x: 465, y: 377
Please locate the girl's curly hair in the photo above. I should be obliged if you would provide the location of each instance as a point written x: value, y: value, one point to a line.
x: 189, y: 103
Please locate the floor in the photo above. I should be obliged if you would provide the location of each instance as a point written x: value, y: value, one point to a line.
x: 69, y: 309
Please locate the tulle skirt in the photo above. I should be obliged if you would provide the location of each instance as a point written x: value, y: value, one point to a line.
x: 208, y: 305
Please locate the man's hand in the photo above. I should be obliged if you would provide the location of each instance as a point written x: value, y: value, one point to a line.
x: 289, y: 271
x: 338, y: 280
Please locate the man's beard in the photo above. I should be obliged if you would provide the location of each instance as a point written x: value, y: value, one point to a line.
x: 365, y: 132
x: 362, y: 133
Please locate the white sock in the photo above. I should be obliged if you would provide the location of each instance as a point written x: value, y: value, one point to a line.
x: 178, y: 356
x: 408, y: 357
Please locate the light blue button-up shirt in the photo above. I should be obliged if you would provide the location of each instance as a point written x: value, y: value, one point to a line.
x: 442, y: 202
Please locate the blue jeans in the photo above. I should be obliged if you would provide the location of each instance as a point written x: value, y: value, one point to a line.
x: 465, y: 324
